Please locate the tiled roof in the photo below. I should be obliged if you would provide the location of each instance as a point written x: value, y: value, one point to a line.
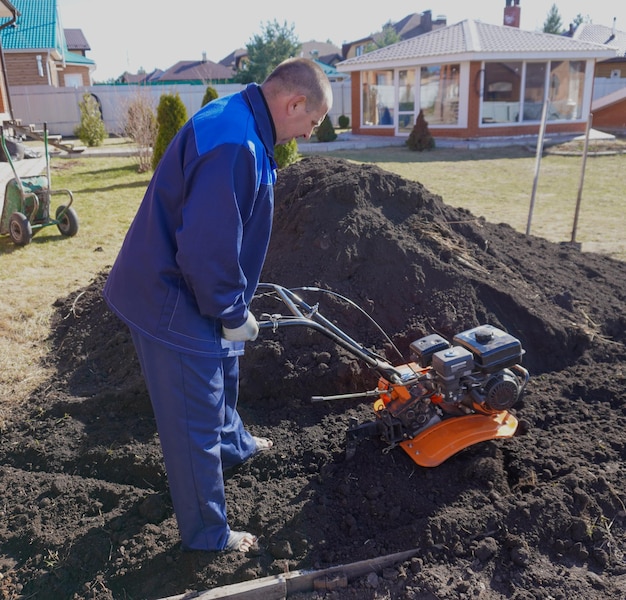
x: 77, y: 59
x: 141, y: 77
x: 330, y: 71
x: 230, y: 61
x: 76, y: 39
x: 37, y: 26
x: 474, y: 40
x: 601, y: 34
x: 196, y: 70
x: 417, y: 24
x: 314, y: 49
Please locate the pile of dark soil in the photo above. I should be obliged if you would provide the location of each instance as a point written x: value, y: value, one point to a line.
x: 85, y: 504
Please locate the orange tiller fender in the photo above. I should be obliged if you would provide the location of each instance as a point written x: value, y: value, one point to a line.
x: 438, y: 443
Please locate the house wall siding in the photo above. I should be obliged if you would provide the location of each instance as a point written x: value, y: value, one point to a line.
x: 604, y: 69
x: 76, y: 70
x: 23, y: 69
x: 611, y: 118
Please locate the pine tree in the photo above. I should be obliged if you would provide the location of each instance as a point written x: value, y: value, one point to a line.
x: 553, y: 22
x: 420, y: 137
x: 171, y: 116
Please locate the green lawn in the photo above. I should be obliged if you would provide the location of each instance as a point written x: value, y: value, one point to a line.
x: 497, y: 184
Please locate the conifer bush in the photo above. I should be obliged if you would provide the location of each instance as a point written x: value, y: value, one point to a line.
x: 91, y: 130
x: 209, y: 94
x: 171, y: 116
x: 326, y: 132
x: 343, y: 121
x: 286, y: 154
x: 420, y: 137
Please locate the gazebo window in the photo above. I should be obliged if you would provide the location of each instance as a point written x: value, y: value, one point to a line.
x: 515, y: 92
x: 439, y: 94
x: 501, y: 92
x: 378, y: 98
x: 567, y: 83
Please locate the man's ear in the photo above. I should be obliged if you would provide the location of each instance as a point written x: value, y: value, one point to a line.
x: 296, y: 103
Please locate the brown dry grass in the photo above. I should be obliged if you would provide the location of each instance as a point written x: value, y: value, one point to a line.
x: 106, y: 193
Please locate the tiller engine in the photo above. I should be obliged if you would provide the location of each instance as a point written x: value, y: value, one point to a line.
x: 448, y: 397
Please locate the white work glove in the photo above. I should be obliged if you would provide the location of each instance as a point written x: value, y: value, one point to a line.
x: 244, y: 333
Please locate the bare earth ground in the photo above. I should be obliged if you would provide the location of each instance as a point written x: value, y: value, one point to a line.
x: 85, y: 511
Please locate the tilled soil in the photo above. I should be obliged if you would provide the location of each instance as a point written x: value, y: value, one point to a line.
x: 85, y: 504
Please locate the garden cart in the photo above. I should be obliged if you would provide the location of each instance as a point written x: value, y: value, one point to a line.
x: 26, y: 207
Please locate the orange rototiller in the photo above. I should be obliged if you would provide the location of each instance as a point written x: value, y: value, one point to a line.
x: 448, y: 397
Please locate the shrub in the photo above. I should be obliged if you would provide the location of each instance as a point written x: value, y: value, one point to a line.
x: 171, y: 116
x: 420, y: 137
x: 91, y: 130
x: 285, y: 154
x: 141, y: 127
x: 209, y: 94
x: 343, y: 121
x: 326, y: 132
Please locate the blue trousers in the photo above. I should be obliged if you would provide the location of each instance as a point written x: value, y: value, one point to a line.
x: 194, y: 399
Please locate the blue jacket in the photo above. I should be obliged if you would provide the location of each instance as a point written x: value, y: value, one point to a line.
x: 193, y: 255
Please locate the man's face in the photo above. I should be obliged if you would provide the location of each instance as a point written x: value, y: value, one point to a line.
x: 300, y: 122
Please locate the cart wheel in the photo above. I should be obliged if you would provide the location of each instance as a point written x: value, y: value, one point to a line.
x: 68, y: 223
x: 20, y: 229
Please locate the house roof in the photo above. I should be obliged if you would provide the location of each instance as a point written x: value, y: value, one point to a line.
x: 196, y: 70
x: 600, y: 34
x: 410, y: 26
x: 231, y: 60
x: 76, y: 40
x: 77, y: 59
x: 474, y: 40
x: 141, y: 77
x: 330, y: 71
x: 404, y: 27
x: 324, y: 52
x: 417, y: 24
x: 37, y: 27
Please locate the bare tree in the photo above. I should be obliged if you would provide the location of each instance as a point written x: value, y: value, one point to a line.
x: 140, y: 125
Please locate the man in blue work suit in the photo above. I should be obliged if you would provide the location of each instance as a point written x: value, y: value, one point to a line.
x: 186, y: 274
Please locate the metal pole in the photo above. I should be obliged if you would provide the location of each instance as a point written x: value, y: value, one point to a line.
x: 542, y: 130
x: 582, y: 178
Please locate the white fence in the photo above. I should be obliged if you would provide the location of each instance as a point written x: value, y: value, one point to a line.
x: 603, y: 86
x: 59, y: 107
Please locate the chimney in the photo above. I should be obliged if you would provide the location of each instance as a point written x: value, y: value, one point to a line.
x: 512, y: 13
x: 204, y: 58
x: 426, y: 21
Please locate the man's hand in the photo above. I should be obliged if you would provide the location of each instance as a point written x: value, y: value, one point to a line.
x: 244, y: 333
